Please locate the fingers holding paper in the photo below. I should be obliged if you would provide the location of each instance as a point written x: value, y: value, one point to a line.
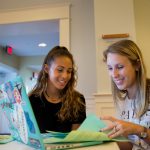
x: 118, y: 127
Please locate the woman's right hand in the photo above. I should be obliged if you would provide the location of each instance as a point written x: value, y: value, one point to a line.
x: 119, y: 127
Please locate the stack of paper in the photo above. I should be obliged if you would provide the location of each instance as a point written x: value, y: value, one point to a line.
x: 5, y: 138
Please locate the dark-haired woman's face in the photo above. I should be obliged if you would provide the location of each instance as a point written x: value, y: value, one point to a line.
x: 60, y: 72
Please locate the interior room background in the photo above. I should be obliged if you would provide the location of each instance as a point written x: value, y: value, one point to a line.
x: 87, y: 21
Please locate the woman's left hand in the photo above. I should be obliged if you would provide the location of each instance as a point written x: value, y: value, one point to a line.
x: 119, y: 127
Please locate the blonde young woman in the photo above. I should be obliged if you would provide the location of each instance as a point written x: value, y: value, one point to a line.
x: 131, y: 94
x: 56, y: 104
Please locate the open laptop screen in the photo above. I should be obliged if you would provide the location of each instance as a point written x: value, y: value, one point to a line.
x: 15, y: 104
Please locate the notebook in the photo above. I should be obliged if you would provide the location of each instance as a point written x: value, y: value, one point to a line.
x: 16, y: 106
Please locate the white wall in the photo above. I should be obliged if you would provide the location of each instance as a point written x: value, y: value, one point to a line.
x: 83, y: 45
x: 111, y: 17
x: 142, y: 24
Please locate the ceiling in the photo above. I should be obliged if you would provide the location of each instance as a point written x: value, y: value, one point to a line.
x: 25, y: 37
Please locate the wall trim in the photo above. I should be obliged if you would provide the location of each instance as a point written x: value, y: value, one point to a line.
x: 105, y: 97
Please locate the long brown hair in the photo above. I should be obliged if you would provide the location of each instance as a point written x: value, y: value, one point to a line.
x: 71, y: 103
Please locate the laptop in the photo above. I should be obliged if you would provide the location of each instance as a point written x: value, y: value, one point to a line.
x: 15, y: 104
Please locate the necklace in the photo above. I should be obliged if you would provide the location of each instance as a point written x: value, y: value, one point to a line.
x: 52, y: 99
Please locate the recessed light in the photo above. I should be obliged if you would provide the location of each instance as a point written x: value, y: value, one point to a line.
x: 42, y: 44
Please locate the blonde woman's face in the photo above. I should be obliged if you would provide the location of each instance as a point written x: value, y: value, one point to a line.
x: 121, y: 71
x: 60, y: 72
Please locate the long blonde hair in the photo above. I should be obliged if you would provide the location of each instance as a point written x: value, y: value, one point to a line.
x: 129, y: 49
x: 71, y: 103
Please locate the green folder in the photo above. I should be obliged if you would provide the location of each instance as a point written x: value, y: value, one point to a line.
x: 5, y: 138
x: 87, y: 132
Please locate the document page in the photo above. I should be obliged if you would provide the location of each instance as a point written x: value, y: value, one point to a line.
x: 88, y: 131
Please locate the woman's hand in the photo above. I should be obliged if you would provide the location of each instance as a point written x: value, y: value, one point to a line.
x: 119, y: 127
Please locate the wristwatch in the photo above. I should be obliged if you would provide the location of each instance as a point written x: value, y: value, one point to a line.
x: 144, y: 133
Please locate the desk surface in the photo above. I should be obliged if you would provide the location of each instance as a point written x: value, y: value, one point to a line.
x: 18, y: 146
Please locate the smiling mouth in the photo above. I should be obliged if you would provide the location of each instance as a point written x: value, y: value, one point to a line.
x: 62, y: 83
x: 118, y: 82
